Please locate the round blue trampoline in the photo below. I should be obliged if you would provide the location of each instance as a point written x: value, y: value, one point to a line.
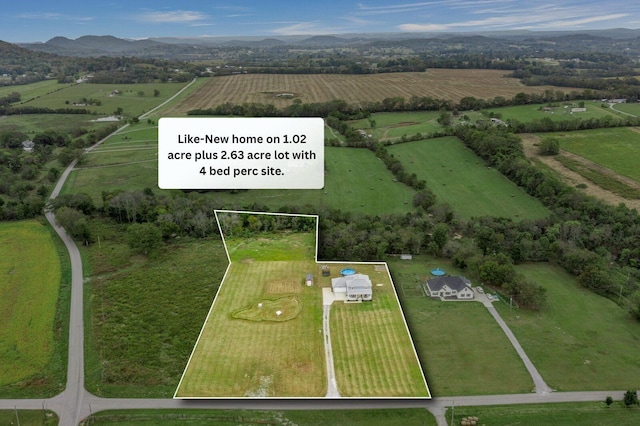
x: 348, y: 271
x: 438, y: 272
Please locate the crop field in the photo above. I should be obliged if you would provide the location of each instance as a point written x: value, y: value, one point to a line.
x: 29, y: 288
x: 194, y: 417
x: 452, y: 84
x: 127, y: 98
x: 372, y: 349
x: 235, y: 357
x: 488, y: 363
x: 558, y: 414
x: 560, y: 112
x: 461, y: 179
x: 392, y: 125
x: 578, y: 340
x: 145, y: 311
x: 615, y: 148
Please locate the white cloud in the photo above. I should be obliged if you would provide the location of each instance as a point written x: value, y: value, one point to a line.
x: 55, y: 17
x: 174, y: 16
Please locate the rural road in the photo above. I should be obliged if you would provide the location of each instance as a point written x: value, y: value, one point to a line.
x: 332, y: 386
x: 75, y: 403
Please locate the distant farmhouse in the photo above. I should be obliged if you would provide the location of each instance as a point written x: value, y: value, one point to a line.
x: 355, y: 287
x: 450, y: 288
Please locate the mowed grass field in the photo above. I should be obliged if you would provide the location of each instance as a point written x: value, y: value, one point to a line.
x: 28, y: 418
x: 558, y: 414
x: 31, y: 276
x: 373, y: 353
x: 243, y: 358
x: 462, y: 333
x: 578, y: 340
x: 453, y: 84
x: 615, y: 148
x: 461, y: 179
x: 392, y: 125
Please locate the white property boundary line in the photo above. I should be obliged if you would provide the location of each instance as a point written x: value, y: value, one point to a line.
x: 415, y: 353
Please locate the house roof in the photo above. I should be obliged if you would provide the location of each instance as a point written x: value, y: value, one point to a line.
x: 457, y: 283
x: 353, y: 283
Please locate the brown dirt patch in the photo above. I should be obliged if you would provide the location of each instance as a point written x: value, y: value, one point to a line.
x: 529, y: 144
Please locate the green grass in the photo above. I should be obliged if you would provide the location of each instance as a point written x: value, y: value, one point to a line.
x: 578, y: 340
x: 602, y: 180
x: 33, y: 90
x: 145, y: 312
x: 392, y: 125
x: 32, y: 274
x: 614, y: 148
x: 527, y: 113
x: 31, y: 124
x: 458, y: 177
x: 368, y: 417
x: 373, y: 353
x: 631, y: 108
x: 355, y: 179
x: 558, y: 414
x: 463, y: 333
x: 128, y: 99
x: 28, y: 418
x: 294, y: 246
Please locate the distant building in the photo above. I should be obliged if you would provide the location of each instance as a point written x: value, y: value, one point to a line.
x: 578, y: 110
x: 28, y: 145
x: 457, y: 287
x: 355, y: 287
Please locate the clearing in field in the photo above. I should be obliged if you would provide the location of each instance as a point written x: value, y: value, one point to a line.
x: 264, y: 335
x: 29, y: 287
x: 436, y: 83
x: 386, y: 126
x: 461, y: 179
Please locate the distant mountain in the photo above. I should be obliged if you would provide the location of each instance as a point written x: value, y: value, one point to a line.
x: 97, y: 46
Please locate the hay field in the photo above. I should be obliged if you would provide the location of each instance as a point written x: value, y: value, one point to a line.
x: 449, y: 84
x: 29, y: 286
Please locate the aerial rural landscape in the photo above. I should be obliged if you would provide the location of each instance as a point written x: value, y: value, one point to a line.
x: 472, y: 259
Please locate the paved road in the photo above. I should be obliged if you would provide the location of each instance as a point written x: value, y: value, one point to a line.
x: 75, y: 403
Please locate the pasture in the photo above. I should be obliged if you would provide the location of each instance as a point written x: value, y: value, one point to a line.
x: 450, y: 84
x: 32, y: 90
x: 578, y: 340
x: 357, y: 417
x: 614, y: 148
x: 30, y: 285
x: 28, y: 417
x: 392, y: 125
x: 134, y: 99
x: 373, y: 353
x: 31, y: 124
x: 461, y: 179
x: 486, y: 362
x: 557, y: 414
x: 355, y: 180
x: 630, y: 108
x: 555, y: 112
x: 145, y: 311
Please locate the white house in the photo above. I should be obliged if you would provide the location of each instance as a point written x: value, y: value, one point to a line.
x: 450, y: 288
x: 354, y: 287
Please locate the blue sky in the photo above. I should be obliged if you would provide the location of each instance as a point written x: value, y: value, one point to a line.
x: 40, y: 20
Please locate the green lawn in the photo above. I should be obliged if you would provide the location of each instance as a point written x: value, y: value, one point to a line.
x: 460, y: 332
x: 578, y: 340
x: 631, y: 108
x: 615, y: 148
x: 368, y: 417
x: 559, y: 414
x: 29, y: 288
x: 145, y: 312
x: 461, y: 179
